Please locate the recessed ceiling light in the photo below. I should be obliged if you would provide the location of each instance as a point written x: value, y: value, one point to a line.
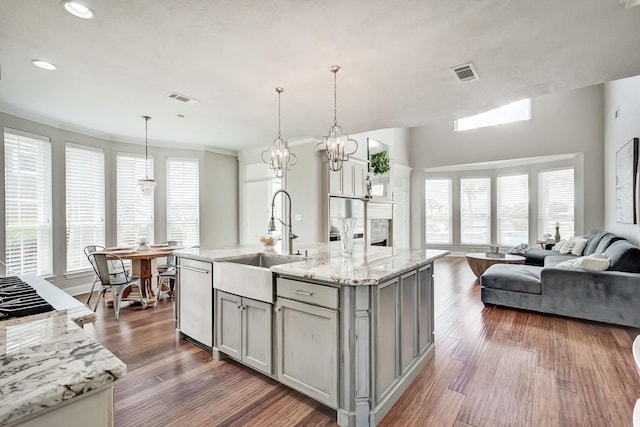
x: 77, y: 9
x: 43, y: 64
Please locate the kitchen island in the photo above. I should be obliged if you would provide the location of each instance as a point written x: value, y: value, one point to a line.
x: 352, y: 332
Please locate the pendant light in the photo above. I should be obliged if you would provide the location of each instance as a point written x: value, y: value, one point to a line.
x: 279, y: 158
x: 146, y: 185
x: 336, y: 147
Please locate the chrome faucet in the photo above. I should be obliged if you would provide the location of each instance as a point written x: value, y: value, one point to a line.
x: 272, y: 223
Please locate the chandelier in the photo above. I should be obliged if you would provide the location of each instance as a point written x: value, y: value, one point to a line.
x: 146, y: 185
x: 336, y: 147
x: 279, y: 158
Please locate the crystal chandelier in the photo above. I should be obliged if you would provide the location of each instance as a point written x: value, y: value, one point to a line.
x: 336, y: 147
x: 279, y: 158
x: 146, y: 185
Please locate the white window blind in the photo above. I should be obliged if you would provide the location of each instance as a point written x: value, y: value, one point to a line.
x: 513, y: 209
x: 475, y: 210
x: 27, y: 174
x: 85, y: 202
x: 556, y: 202
x: 134, y: 209
x: 438, y: 210
x: 183, y: 201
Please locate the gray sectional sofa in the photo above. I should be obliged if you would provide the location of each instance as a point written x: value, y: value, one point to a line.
x: 611, y: 296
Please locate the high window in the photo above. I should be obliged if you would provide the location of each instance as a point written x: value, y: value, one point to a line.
x: 514, y: 112
x: 475, y: 210
x: 438, y: 210
x: 556, y: 202
x: 27, y: 174
x: 513, y: 209
x: 134, y: 209
x: 183, y: 201
x: 85, y: 190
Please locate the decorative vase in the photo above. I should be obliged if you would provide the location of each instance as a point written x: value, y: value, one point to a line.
x: 346, y: 235
x: 557, y: 237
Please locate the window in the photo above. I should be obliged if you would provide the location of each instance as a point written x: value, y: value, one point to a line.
x: 514, y: 112
x: 183, y: 201
x: 438, y: 210
x: 513, y: 209
x: 475, y: 211
x: 27, y: 174
x: 259, y: 186
x: 556, y: 202
x: 134, y: 209
x: 85, y: 202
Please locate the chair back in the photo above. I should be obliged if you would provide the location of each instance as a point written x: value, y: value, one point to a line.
x: 101, y: 266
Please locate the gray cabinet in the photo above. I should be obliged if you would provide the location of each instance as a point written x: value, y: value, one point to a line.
x: 307, y: 340
x: 425, y: 308
x: 195, y: 300
x: 243, y: 330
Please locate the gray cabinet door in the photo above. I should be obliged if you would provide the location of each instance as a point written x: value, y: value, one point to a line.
x: 307, y: 357
x: 257, y: 335
x: 195, y: 300
x: 229, y: 324
x: 386, y: 338
x: 408, y: 320
x: 425, y: 308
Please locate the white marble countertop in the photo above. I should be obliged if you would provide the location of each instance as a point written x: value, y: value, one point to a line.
x: 48, y: 359
x: 325, y: 261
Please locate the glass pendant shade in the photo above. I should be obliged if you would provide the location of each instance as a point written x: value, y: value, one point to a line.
x: 147, y: 185
x: 278, y: 156
x: 336, y: 147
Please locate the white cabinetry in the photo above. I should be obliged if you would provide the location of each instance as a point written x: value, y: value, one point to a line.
x: 243, y: 330
x: 307, y: 339
x: 348, y: 181
x: 195, y: 300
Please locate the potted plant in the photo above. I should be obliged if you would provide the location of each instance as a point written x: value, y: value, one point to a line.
x: 380, y: 162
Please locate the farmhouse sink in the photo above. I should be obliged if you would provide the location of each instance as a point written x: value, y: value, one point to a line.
x: 248, y: 275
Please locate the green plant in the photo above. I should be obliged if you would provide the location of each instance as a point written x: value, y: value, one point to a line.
x: 380, y: 162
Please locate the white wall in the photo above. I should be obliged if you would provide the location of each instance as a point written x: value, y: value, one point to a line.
x: 562, y: 123
x: 218, y: 192
x: 623, y: 96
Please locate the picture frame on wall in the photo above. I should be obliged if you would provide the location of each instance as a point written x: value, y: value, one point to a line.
x: 627, y: 183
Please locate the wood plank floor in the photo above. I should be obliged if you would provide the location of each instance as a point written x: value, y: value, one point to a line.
x: 492, y: 367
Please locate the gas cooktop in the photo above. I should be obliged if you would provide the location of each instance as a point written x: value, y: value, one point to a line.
x: 18, y: 299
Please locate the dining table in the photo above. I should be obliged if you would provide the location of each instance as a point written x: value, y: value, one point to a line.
x: 143, y: 267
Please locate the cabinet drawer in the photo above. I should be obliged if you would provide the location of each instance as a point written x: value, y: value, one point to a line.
x: 324, y: 296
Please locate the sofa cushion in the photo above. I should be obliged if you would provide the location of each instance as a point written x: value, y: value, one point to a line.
x: 512, y: 277
x: 606, y: 241
x: 623, y: 256
x: 553, y: 260
x: 537, y: 256
x: 593, y: 238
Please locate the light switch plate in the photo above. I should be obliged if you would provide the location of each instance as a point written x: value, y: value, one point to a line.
x: 298, y: 217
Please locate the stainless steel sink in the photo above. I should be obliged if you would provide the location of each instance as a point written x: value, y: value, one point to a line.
x: 262, y: 260
x: 248, y: 275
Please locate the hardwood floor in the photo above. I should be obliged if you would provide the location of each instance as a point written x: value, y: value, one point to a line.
x: 492, y: 367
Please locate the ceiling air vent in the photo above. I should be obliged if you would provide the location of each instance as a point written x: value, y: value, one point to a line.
x: 466, y: 72
x: 182, y: 98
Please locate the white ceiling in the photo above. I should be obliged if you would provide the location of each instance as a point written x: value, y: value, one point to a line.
x: 396, y: 58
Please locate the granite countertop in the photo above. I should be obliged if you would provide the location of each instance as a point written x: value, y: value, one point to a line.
x: 48, y: 359
x: 325, y: 261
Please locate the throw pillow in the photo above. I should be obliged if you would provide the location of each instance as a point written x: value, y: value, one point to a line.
x: 594, y: 262
x: 522, y: 248
x: 571, y: 241
x: 578, y: 247
x: 558, y: 246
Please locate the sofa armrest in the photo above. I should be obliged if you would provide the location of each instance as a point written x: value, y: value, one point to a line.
x: 606, y: 296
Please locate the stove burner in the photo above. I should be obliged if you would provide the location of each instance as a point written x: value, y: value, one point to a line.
x: 18, y: 299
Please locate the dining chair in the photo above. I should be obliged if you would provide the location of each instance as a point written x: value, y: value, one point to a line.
x: 116, y: 279
x: 88, y: 250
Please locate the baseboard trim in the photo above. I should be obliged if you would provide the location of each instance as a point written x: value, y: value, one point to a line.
x: 78, y: 290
